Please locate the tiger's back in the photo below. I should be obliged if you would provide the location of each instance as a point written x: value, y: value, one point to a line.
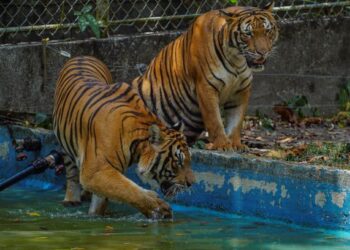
x: 85, y: 94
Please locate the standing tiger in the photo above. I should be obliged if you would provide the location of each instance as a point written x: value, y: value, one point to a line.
x: 105, y: 128
x: 207, y: 68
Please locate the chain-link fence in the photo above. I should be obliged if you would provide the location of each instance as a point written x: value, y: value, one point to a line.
x: 34, y: 20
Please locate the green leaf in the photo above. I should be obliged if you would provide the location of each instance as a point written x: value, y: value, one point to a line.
x: 77, y: 13
x: 315, y: 111
x: 267, y: 123
x: 83, y: 23
x: 199, y: 144
x: 348, y: 88
x: 40, y: 118
x: 300, y: 101
x: 86, y: 9
x: 233, y: 1
x: 343, y: 99
x: 94, y: 25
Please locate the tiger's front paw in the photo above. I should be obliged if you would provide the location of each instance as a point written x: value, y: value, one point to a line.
x: 155, y: 208
x: 223, y: 144
x: 238, y: 146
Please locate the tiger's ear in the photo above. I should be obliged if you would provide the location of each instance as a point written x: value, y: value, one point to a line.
x: 179, y: 126
x: 269, y: 6
x: 155, y: 135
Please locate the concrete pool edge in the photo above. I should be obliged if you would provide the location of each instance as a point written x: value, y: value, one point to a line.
x: 298, y: 193
x: 280, y: 168
x: 230, y: 182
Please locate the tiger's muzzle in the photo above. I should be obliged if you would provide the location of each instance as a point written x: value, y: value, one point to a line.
x: 256, y: 64
x: 170, y: 188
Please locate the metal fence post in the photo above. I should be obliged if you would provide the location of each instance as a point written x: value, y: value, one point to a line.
x: 102, y: 14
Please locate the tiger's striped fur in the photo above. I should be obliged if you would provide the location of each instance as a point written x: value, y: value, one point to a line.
x: 105, y: 128
x: 207, y: 68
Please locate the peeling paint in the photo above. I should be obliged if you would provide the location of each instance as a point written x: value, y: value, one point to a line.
x: 338, y: 198
x: 248, y: 184
x: 320, y: 199
x: 4, y: 150
x: 210, y: 180
x: 283, y: 191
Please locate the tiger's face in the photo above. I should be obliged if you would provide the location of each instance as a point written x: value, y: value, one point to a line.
x: 254, y: 32
x: 167, y: 161
x: 258, y: 35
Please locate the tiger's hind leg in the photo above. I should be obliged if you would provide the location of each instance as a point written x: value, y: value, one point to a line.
x: 73, y: 187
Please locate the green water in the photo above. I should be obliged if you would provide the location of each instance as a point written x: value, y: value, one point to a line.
x: 36, y: 220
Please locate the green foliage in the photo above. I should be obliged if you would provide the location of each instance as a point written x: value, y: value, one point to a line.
x: 233, y: 1
x: 264, y: 120
x: 86, y: 19
x: 326, y: 153
x: 199, y: 144
x: 299, y: 104
x: 42, y: 120
x: 344, y: 98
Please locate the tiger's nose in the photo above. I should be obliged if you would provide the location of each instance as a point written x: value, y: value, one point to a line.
x: 263, y: 53
x: 190, y: 179
x: 188, y: 184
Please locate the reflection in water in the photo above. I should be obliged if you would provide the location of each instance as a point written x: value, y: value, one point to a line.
x: 36, y: 220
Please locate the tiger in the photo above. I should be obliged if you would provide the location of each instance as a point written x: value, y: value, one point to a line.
x: 105, y: 128
x: 207, y: 69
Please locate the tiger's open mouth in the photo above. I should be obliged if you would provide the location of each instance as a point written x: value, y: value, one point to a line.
x: 170, y: 189
x: 256, y: 64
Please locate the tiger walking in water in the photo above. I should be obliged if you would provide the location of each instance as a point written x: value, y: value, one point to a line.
x: 105, y: 127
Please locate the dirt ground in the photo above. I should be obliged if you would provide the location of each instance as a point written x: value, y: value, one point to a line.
x: 287, y: 135
x: 323, y: 143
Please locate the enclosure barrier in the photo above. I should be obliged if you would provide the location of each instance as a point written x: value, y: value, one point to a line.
x: 35, y: 20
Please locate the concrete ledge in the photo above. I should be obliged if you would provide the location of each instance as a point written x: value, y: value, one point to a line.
x: 297, y: 193
x: 279, y: 168
x: 303, y: 194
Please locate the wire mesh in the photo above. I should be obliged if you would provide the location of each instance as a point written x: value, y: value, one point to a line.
x: 34, y: 20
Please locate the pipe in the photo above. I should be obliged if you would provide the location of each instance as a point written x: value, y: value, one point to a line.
x: 38, y: 166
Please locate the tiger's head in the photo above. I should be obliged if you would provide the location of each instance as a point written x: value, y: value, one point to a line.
x: 253, y: 32
x: 166, y: 160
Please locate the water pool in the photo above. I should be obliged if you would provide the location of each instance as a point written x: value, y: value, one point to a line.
x: 36, y: 220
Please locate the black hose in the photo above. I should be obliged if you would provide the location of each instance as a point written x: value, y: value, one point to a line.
x: 38, y: 166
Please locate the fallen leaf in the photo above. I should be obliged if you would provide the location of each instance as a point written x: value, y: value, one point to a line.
x: 318, y: 143
x: 108, y: 229
x: 318, y: 158
x: 286, y: 113
x: 41, y: 238
x: 276, y: 154
x: 285, y: 140
x: 298, y: 150
x: 33, y: 214
x: 259, y: 138
x: 307, y: 121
